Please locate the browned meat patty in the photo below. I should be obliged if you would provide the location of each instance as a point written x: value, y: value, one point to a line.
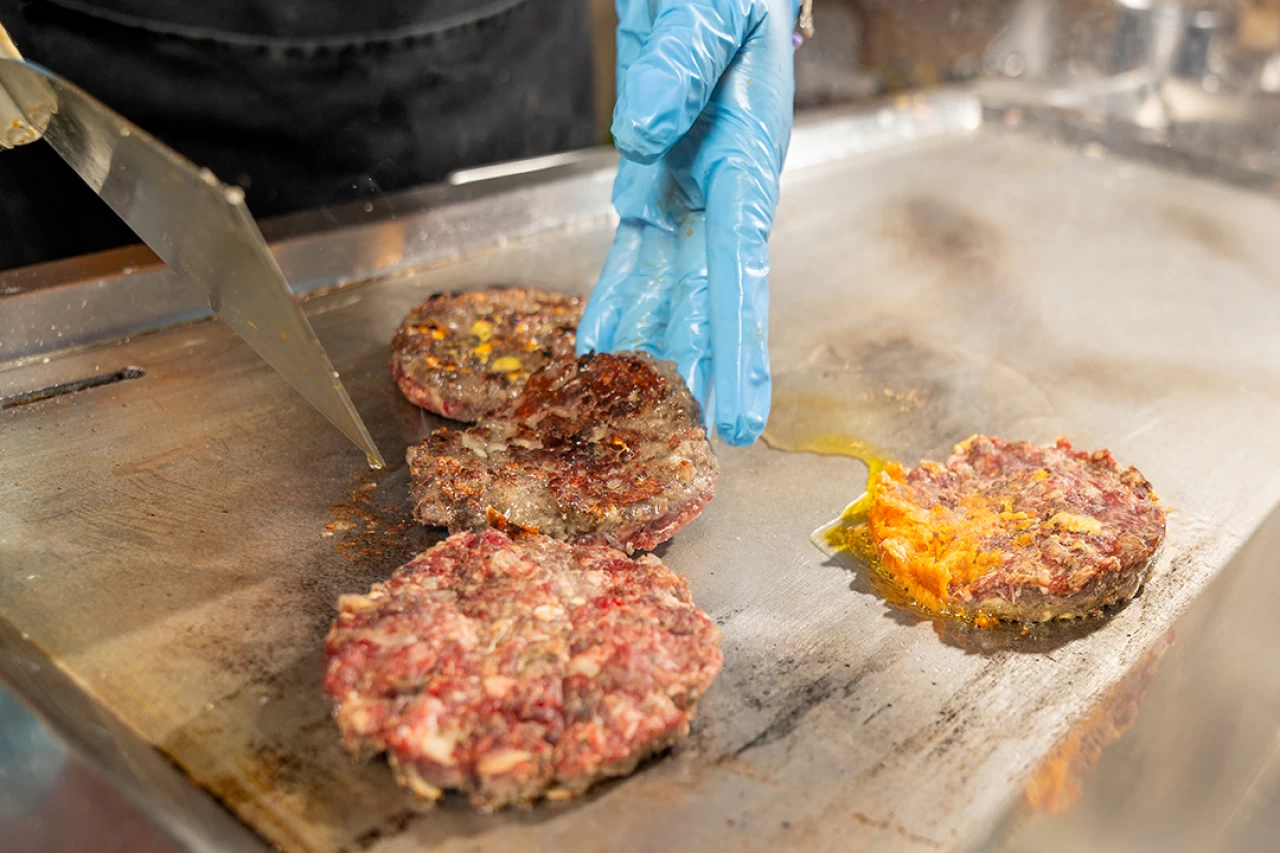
x: 1012, y: 531
x: 605, y: 448
x: 463, y: 354
x: 512, y: 670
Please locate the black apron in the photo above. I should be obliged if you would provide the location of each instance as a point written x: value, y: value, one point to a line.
x: 303, y: 103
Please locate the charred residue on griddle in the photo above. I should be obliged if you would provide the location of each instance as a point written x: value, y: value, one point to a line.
x: 897, y: 828
x: 389, y: 828
x: 181, y: 768
x: 941, y: 239
x: 946, y: 235
x: 289, y: 755
x: 798, y: 705
x: 249, y: 662
x: 232, y: 791
x: 721, y: 619
x: 269, y: 750
x: 799, y: 695
x: 272, y: 767
x: 828, y: 829
x: 1202, y: 230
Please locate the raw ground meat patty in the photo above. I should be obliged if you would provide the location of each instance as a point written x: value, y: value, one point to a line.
x: 511, y: 670
x: 463, y: 354
x: 605, y: 448
x: 1012, y: 531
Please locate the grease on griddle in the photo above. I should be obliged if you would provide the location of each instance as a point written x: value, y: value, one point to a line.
x: 375, y: 524
x: 395, y: 825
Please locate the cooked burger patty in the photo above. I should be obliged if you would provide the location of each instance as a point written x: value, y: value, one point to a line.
x: 511, y: 670
x: 605, y: 448
x: 1013, y: 531
x: 463, y: 354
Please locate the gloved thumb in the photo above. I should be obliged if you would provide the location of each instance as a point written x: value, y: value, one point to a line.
x: 690, y: 46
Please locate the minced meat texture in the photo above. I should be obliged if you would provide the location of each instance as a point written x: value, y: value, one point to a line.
x: 516, y: 669
x: 605, y: 448
x: 463, y: 354
x: 1013, y: 531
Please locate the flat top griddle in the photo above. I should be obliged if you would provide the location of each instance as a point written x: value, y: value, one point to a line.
x: 176, y: 542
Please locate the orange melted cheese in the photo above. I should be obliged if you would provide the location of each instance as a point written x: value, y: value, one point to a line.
x: 928, y: 550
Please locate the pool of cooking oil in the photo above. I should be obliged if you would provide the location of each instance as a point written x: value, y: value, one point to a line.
x: 891, y: 397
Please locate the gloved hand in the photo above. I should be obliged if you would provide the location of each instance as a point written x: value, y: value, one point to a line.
x: 703, y: 120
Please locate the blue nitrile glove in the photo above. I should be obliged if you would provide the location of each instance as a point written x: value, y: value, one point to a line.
x: 703, y: 120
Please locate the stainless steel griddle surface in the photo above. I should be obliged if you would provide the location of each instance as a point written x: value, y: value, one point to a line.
x: 177, y: 542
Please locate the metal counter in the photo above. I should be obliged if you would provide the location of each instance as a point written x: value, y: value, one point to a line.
x: 175, y: 543
x: 1191, y: 752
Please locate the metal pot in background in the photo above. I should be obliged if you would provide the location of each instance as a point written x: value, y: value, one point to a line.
x: 1197, y: 77
x: 1164, y: 39
x: 1172, y: 40
x: 1147, y: 36
x: 1205, y: 33
x: 829, y: 70
x: 1027, y: 48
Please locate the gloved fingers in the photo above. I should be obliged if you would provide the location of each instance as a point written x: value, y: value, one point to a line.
x: 668, y: 84
x: 688, y: 337
x: 740, y: 203
x: 709, y: 407
x: 737, y: 163
x: 750, y: 113
x: 604, y: 308
x: 648, y: 294
x: 647, y: 194
x: 635, y: 21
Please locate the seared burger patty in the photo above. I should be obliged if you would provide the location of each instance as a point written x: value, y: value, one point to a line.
x: 463, y: 354
x: 605, y: 448
x: 1013, y: 531
x: 512, y: 670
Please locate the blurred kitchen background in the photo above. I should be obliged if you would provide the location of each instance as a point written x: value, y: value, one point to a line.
x: 1201, y: 77
x: 867, y: 47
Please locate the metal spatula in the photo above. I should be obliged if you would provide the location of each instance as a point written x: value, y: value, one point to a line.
x: 197, y: 225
